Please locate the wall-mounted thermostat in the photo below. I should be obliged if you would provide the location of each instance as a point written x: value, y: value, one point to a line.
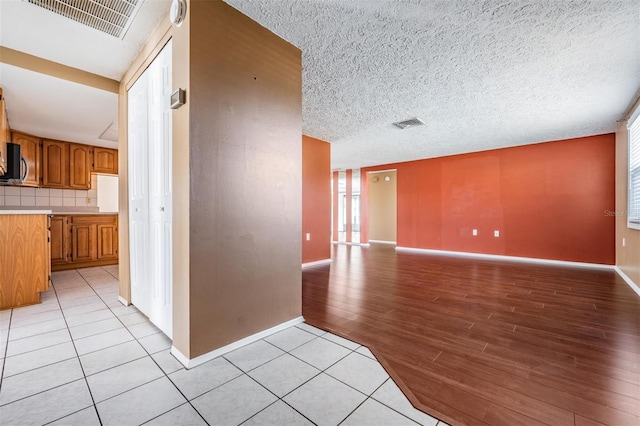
x: 178, y: 98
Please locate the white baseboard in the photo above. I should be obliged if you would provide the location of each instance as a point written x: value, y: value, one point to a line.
x: 123, y: 301
x: 507, y: 258
x: 628, y: 280
x: 351, y: 244
x: 316, y: 263
x: 383, y: 242
x: 193, y: 362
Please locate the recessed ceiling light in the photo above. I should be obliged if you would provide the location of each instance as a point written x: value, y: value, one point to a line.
x: 411, y: 122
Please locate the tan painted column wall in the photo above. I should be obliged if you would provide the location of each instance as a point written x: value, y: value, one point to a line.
x: 245, y: 167
x: 237, y: 172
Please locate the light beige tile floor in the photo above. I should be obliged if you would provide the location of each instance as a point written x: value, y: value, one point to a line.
x: 81, y: 358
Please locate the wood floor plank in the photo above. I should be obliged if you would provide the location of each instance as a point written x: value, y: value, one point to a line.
x: 488, y: 342
x: 500, y: 416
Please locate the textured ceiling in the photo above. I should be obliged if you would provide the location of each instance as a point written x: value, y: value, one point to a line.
x: 481, y: 74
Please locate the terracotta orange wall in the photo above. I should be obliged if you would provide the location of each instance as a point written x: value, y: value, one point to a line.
x: 316, y: 199
x: 548, y: 201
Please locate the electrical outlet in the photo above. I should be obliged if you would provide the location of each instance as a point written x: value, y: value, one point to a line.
x: 88, y: 200
x: 496, y: 233
x: 624, y: 242
x: 308, y: 236
x: 474, y: 232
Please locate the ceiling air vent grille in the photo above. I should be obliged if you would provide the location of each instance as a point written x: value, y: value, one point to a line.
x: 412, y: 122
x: 109, y: 16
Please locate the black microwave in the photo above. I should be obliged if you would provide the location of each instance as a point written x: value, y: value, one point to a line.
x: 16, y: 166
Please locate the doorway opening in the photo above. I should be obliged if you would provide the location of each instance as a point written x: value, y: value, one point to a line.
x: 348, y: 199
x: 383, y: 202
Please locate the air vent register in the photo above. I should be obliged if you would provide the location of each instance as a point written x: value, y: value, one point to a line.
x: 109, y: 16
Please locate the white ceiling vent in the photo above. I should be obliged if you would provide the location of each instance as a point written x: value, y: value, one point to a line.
x: 109, y: 16
x: 412, y: 122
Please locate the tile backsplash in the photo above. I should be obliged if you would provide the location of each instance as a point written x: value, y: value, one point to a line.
x: 16, y: 196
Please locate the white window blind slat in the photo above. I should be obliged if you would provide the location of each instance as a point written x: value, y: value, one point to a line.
x: 633, y: 213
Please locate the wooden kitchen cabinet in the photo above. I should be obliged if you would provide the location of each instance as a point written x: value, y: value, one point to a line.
x: 79, y: 166
x: 55, y: 164
x: 83, y: 242
x: 5, y: 134
x: 60, y: 164
x: 107, y: 241
x: 30, y: 148
x: 92, y: 240
x: 25, y: 270
x: 105, y: 160
x: 59, y: 228
x: 66, y: 165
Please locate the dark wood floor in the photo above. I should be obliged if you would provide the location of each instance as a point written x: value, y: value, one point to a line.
x: 488, y: 342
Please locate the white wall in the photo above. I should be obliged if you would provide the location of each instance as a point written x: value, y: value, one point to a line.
x: 108, y: 193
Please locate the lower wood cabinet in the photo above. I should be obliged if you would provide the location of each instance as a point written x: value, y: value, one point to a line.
x: 24, y: 259
x: 80, y: 241
x: 59, y: 227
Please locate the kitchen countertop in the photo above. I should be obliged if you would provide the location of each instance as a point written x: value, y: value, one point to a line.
x: 83, y: 213
x: 25, y: 212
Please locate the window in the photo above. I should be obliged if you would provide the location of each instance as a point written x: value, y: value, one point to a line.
x: 633, y: 214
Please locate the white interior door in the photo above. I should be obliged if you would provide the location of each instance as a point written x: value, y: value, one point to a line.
x: 160, y: 217
x: 151, y: 292
x: 138, y: 169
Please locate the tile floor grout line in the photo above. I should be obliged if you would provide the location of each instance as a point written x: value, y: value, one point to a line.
x: 70, y: 414
x: 84, y: 376
x: 278, y: 398
x: 33, y: 335
x: 188, y: 401
x: 241, y: 372
x: 335, y: 378
x: 6, y: 348
x: 352, y: 411
x: 391, y: 408
x: 274, y: 402
x: 321, y: 372
x: 150, y: 355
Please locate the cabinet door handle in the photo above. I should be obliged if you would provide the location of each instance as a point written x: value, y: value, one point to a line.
x: 161, y: 209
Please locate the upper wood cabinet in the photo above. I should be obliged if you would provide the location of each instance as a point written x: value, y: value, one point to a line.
x: 79, y: 166
x: 30, y: 148
x: 66, y: 165
x: 105, y: 160
x: 59, y: 164
x: 4, y: 133
x: 55, y: 164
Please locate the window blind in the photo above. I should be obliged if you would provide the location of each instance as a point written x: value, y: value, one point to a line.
x: 633, y: 213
